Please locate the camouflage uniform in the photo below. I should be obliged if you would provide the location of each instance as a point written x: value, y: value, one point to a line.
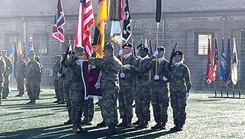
x: 58, y: 83
x: 33, y: 72
x: 9, y: 69
x: 110, y: 68
x: 159, y: 93
x: 2, y: 69
x: 180, y: 83
x: 40, y: 75
x: 126, y: 92
x: 20, y: 77
x: 66, y: 88
x: 142, y: 100
x: 88, y: 111
x: 77, y: 89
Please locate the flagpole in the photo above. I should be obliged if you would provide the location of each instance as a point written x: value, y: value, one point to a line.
x: 156, y: 69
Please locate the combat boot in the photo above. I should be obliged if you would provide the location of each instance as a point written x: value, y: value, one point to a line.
x: 163, y: 126
x: 129, y: 122
x: 140, y: 125
x: 111, y: 130
x: 123, y: 123
x: 137, y: 122
x: 101, y: 124
x: 157, y: 126
x: 68, y: 122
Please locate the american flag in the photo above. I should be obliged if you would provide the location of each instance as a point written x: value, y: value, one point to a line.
x: 85, y: 21
x: 59, y: 21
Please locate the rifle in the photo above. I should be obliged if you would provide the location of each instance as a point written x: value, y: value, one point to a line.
x: 63, y: 61
x: 171, y: 58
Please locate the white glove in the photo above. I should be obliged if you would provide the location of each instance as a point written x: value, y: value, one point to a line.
x: 97, y: 85
x: 187, y: 94
x: 59, y: 74
x: 120, y: 53
x: 156, y: 77
x: 155, y: 53
x: 164, y: 78
x: 127, y: 66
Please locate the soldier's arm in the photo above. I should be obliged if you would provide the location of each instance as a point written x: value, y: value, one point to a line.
x: 98, y: 62
x: 9, y: 67
x: 2, y: 67
x: 187, y: 77
x: 71, y: 61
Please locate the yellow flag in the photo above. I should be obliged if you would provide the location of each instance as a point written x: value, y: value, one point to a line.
x: 19, y: 48
x: 99, y: 37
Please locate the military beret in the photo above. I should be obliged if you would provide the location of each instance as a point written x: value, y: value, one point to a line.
x: 127, y: 44
x: 79, y: 49
x: 178, y: 53
x: 161, y: 48
x: 142, y: 47
x: 108, y: 46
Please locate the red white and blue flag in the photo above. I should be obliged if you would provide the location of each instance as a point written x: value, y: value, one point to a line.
x: 59, y: 21
x: 85, y: 21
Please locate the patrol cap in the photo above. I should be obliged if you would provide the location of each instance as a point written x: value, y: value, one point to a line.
x: 127, y: 44
x: 79, y: 49
x: 178, y: 53
x: 161, y: 48
x: 4, y: 51
x: 142, y: 47
x: 71, y: 52
x: 108, y: 46
x: 31, y: 52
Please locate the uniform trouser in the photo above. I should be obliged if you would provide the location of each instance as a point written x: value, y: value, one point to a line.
x: 126, y: 101
x: 178, y: 104
x: 5, y: 87
x: 142, y: 102
x: 32, y: 88
x: 109, y: 106
x: 1, y: 91
x: 77, y: 102
x: 20, y: 85
x: 56, y: 88
x: 66, y: 90
x: 160, y: 103
x: 89, y: 109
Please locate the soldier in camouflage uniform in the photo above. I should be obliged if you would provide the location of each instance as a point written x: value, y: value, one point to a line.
x: 32, y: 74
x: 180, y: 85
x: 9, y: 69
x: 66, y: 87
x: 57, y: 82
x: 20, y: 77
x: 159, y: 89
x: 37, y: 58
x: 88, y: 112
x: 2, y: 70
x: 77, y: 88
x: 126, y: 87
x: 143, y: 69
x: 110, y: 67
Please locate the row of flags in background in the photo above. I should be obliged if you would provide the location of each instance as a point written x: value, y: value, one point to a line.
x: 118, y: 11
x: 228, y: 63
x: 16, y: 49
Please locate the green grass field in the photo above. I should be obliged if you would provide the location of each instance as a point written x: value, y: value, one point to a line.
x: 207, y: 118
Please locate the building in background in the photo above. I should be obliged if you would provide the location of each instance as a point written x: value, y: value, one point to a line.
x: 187, y: 22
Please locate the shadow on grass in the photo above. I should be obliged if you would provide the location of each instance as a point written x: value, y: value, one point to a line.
x: 65, y: 132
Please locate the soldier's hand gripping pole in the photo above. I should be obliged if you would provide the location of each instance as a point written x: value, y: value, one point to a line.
x: 63, y: 60
x: 171, y: 58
